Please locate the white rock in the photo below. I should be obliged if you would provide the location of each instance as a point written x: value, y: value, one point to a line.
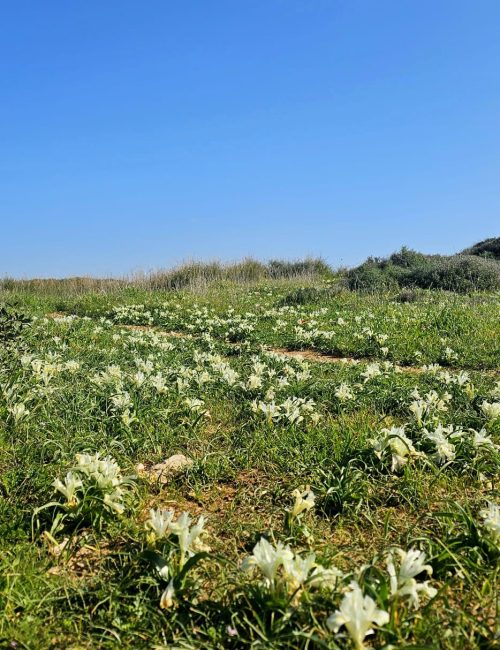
x: 170, y: 467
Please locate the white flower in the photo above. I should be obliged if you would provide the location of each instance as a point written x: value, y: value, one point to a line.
x: 491, y: 409
x: 195, y: 405
x: 481, y: 440
x: 372, y: 370
x: 69, y: 488
x: 254, y: 381
x: 270, y: 410
x: 113, y: 501
x: 127, y: 417
x: 72, y: 366
x: 296, y: 570
x: 159, y: 383
x: 189, y: 537
x: 357, y: 613
x: 395, y: 441
x: 491, y: 521
x: 138, y: 378
x: 160, y: 522
x: 403, y: 583
x: 344, y: 392
x: 268, y: 559
x: 18, y: 412
x: 429, y: 405
x: 323, y: 577
x: 450, y: 354
x: 445, y: 450
x: 304, y: 500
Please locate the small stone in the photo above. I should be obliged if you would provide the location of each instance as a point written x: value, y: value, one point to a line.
x: 170, y: 467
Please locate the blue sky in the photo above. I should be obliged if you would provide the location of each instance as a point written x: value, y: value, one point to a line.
x: 134, y: 135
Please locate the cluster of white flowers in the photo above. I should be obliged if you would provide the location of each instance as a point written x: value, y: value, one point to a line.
x: 396, y: 443
x: 491, y: 410
x: 93, y: 473
x: 45, y: 369
x: 441, y: 439
x: 293, y: 410
x: 133, y: 314
x: 161, y: 525
x: 282, y: 568
x: 358, y: 612
x: 428, y: 407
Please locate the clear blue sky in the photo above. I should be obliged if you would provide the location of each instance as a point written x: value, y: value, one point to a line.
x: 136, y: 134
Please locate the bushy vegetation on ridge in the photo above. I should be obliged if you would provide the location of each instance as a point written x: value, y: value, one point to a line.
x: 463, y: 273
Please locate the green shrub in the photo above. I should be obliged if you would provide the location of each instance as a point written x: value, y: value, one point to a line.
x: 460, y: 273
x: 12, y: 322
x: 408, y: 258
x: 372, y: 275
x: 489, y: 248
x: 410, y: 269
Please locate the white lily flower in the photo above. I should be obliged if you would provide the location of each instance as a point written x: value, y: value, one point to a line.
x: 491, y: 409
x: 481, y: 440
x: 160, y: 522
x: 397, y: 442
x: 372, y: 370
x: 344, y: 392
x: 19, y: 412
x: 296, y: 571
x: 357, y: 613
x: 491, y: 521
x: 304, y: 500
x: 189, y: 537
x: 268, y: 559
x: 403, y: 583
x: 445, y: 450
x: 69, y: 488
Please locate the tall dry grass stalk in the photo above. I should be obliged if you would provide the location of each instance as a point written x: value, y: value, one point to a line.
x: 191, y: 275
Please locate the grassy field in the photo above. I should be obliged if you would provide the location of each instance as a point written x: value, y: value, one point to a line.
x: 341, y: 482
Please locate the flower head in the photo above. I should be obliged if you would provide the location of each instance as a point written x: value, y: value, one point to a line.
x: 357, y: 613
x: 304, y: 500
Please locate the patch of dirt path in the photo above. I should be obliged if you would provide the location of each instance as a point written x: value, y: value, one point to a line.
x: 319, y: 357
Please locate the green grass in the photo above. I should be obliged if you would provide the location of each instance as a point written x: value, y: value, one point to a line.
x: 83, y: 573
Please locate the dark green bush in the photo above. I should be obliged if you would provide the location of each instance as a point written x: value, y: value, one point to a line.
x: 372, y: 275
x: 408, y: 258
x: 460, y: 273
x: 12, y: 323
x: 410, y: 269
x: 489, y: 248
